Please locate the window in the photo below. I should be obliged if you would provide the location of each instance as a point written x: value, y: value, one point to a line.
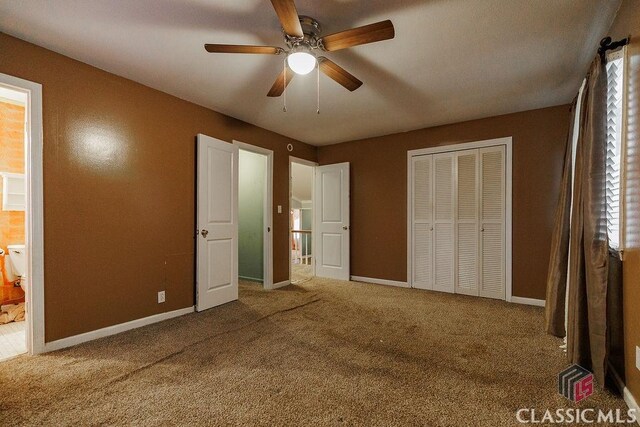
x: 615, y: 145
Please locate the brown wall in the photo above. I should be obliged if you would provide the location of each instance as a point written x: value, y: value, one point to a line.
x: 628, y: 23
x: 379, y: 191
x: 119, y: 190
x: 12, y: 227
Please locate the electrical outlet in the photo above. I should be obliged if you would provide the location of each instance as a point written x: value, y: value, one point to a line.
x: 638, y: 358
x: 161, y: 297
x: 279, y: 208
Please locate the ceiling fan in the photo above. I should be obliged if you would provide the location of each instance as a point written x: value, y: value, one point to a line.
x: 302, y: 36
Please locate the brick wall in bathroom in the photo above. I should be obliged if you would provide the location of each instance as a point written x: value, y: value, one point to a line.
x: 12, y: 223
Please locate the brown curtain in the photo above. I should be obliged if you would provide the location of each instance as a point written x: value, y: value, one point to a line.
x: 559, y: 259
x: 615, y: 318
x: 587, y: 340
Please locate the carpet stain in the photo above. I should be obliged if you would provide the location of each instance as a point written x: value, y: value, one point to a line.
x: 204, y: 340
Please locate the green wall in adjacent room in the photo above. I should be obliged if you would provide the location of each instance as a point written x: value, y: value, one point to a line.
x: 251, y: 187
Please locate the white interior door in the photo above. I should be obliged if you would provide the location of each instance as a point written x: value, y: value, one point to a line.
x: 443, y: 221
x: 331, y: 192
x: 467, y: 212
x: 422, y: 212
x: 492, y: 222
x: 217, y: 212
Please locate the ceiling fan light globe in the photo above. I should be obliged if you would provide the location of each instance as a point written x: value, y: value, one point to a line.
x: 301, y: 62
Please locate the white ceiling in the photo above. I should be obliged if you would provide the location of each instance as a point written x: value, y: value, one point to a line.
x: 451, y: 60
x: 301, y: 181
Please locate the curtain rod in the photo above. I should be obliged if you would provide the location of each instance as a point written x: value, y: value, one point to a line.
x: 606, y: 44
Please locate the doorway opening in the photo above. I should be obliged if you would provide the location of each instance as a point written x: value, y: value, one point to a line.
x: 21, y: 248
x: 301, y: 220
x: 254, y: 214
x: 13, y: 136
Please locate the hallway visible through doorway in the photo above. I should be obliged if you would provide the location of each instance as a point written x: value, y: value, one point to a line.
x: 301, y: 220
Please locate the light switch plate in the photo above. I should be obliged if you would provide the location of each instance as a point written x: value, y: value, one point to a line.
x: 161, y: 297
x: 638, y: 358
x: 279, y: 208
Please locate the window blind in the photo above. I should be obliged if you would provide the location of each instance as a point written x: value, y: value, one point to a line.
x: 615, y: 92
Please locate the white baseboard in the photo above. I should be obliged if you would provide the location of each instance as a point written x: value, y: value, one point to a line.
x: 115, y: 329
x: 279, y: 285
x: 379, y: 281
x: 626, y: 393
x: 528, y: 301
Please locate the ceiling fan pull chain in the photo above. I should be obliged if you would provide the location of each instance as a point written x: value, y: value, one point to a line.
x: 318, y: 85
x: 284, y: 72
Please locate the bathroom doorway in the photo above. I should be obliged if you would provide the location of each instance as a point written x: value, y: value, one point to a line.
x: 21, y: 219
x: 301, y: 207
x: 255, y: 183
x: 13, y: 191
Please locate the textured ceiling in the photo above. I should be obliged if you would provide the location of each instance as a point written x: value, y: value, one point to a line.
x: 451, y: 60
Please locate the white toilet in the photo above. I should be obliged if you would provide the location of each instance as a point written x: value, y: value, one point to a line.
x: 16, y: 267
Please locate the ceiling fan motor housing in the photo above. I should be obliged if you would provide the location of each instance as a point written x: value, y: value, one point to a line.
x: 311, y: 29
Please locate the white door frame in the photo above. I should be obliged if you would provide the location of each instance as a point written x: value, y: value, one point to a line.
x: 35, y: 209
x: 508, y: 143
x: 268, y: 212
x: 293, y: 159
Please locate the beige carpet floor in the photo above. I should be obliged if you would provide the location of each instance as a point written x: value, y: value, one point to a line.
x: 301, y: 273
x: 323, y: 353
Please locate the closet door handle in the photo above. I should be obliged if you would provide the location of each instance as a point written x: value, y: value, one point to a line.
x: 204, y: 233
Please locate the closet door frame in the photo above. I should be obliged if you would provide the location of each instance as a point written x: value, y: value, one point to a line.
x: 507, y: 142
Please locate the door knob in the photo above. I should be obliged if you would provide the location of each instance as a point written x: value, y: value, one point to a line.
x: 204, y: 233
x: 345, y: 227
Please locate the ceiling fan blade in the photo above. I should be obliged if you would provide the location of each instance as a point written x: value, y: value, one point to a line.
x: 339, y: 74
x: 279, y: 85
x: 362, y: 35
x: 234, y: 48
x: 288, y: 16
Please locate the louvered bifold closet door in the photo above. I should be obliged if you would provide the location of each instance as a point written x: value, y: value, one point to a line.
x: 467, y: 207
x: 422, y: 263
x: 443, y: 222
x: 492, y: 222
